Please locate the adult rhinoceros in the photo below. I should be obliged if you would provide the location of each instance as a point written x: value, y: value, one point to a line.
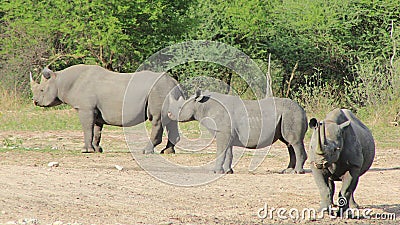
x: 341, y: 148
x: 246, y: 123
x: 104, y: 97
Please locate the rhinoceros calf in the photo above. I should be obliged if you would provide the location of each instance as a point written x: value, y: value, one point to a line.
x: 341, y: 148
x: 246, y: 123
x: 99, y: 96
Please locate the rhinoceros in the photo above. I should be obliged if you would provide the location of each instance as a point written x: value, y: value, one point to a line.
x: 341, y: 149
x: 246, y: 123
x: 99, y: 96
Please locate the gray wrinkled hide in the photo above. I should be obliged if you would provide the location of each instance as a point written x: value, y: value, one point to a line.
x: 98, y: 96
x: 341, y: 148
x: 246, y: 123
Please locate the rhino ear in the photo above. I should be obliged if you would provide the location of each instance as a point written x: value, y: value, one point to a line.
x: 313, y: 123
x: 344, y: 125
x: 201, y: 97
x: 47, y: 73
x: 198, y: 96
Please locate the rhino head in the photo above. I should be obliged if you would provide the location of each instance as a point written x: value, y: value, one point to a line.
x: 326, y: 142
x: 184, y: 110
x: 45, y: 94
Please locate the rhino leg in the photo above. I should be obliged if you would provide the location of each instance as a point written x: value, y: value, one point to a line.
x: 87, y: 120
x: 301, y: 157
x: 352, y: 202
x: 331, y: 185
x: 173, y: 137
x: 222, y: 149
x: 292, y: 159
x: 228, y: 161
x: 155, y: 135
x: 298, y: 156
x: 324, y: 187
x: 98, y: 127
x: 349, y: 184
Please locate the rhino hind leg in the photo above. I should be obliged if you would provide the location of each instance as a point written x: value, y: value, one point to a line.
x: 228, y: 161
x: 292, y: 160
x: 301, y: 157
x: 297, y: 157
x: 223, y: 159
x: 98, y: 127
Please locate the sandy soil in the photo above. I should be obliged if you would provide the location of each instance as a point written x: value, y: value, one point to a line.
x: 89, y: 189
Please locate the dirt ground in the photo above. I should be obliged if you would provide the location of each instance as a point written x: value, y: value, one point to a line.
x: 89, y: 189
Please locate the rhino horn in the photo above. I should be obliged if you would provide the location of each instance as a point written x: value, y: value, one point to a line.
x: 321, y: 139
x: 323, y: 135
x: 33, y: 82
x: 344, y: 125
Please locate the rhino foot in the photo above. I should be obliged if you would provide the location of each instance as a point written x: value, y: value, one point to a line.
x: 148, y: 151
x: 88, y: 150
x: 288, y: 171
x: 354, y: 205
x: 169, y: 150
x: 221, y: 171
x: 98, y: 149
x: 293, y: 171
x: 230, y: 171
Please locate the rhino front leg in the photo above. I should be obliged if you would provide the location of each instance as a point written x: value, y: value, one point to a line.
x: 155, y: 136
x: 349, y: 184
x: 352, y: 202
x: 331, y: 185
x: 322, y: 181
x: 87, y: 120
x: 98, y: 127
x: 173, y: 137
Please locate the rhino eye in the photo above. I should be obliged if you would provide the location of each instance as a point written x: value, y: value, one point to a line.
x: 337, y: 149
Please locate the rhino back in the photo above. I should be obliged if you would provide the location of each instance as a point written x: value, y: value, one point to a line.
x: 88, y: 86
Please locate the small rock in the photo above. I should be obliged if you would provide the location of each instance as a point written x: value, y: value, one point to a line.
x: 53, y: 164
x: 119, y: 167
x: 57, y: 223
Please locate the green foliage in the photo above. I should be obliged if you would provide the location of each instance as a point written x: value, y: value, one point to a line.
x: 117, y: 35
x: 12, y: 143
x: 345, y: 50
